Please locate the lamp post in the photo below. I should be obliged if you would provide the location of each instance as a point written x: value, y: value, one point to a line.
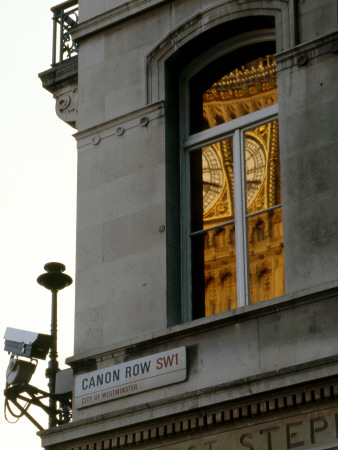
x: 54, y: 280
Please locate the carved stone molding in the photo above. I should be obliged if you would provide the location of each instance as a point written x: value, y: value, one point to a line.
x: 256, y: 410
x: 307, y: 52
x: 62, y: 81
x: 139, y: 118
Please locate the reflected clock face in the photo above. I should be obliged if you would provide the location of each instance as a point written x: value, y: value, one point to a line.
x: 213, y: 178
x: 255, y: 161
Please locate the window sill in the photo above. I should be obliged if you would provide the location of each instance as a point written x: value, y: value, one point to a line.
x: 150, y: 340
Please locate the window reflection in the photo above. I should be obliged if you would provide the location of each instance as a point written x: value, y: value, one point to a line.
x: 213, y: 243
x: 265, y: 230
x: 214, y: 269
x: 266, y: 255
x: 213, y: 238
x: 263, y: 186
x: 212, y: 185
x: 247, y: 89
x: 217, y: 191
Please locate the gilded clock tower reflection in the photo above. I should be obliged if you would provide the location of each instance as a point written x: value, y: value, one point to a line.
x: 243, y: 91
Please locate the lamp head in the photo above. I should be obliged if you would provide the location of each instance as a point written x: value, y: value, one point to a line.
x: 54, y: 279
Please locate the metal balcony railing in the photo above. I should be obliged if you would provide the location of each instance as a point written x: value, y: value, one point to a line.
x: 65, y: 19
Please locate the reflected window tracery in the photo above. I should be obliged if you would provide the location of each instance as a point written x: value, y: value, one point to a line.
x: 247, y: 89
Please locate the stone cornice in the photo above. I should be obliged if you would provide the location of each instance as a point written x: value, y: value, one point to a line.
x: 60, y: 75
x: 199, y: 418
x: 301, y: 54
x: 140, y: 117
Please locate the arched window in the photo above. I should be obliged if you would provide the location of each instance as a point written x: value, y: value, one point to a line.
x: 232, y: 229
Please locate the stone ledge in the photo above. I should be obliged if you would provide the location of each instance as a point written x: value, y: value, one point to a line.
x: 303, y: 53
x: 288, y: 301
x: 60, y: 75
x: 151, y: 112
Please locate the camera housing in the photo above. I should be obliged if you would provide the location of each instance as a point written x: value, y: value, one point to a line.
x: 27, y: 343
x: 19, y: 370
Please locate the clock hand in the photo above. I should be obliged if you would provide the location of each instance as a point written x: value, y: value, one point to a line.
x: 209, y: 183
x: 256, y: 168
x: 208, y: 169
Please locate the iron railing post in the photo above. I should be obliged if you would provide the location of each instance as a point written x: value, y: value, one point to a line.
x: 65, y: 18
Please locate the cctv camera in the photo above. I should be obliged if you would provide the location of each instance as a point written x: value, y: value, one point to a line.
x: 27, y: 343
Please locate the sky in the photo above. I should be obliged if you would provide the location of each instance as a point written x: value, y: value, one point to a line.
x: 37, y: 197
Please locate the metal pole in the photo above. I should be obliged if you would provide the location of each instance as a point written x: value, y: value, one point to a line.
x: 26, y: 413
x: 53, y: 365
x: 54, y: 39
x: 54, y: 280
x: 61, y: 35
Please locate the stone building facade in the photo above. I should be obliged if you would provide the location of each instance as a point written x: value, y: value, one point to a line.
x: 207, y: 240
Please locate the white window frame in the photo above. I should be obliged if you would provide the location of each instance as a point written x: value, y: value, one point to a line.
x: 234, y: 129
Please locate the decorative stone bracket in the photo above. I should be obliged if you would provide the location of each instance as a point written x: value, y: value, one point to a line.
x: 66, y: 104
x: 61, y: 81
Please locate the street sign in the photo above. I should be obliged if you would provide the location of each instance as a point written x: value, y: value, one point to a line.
x: 131, y: 377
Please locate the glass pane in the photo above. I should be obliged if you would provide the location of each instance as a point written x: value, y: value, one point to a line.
x: 214, y: 271
x: 263, y: 187
x: 266, y: 255
x: 248, y: 88
x: 212, y: 187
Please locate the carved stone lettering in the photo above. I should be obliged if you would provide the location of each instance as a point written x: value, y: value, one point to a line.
x: 291, y: 435
x: 244, y: 440
x: 209, y: 445
x: 317, y: 425
x: 268, y: 433
x: 304, y: 432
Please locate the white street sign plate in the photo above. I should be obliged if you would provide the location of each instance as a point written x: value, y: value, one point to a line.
x: 131, y: 377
